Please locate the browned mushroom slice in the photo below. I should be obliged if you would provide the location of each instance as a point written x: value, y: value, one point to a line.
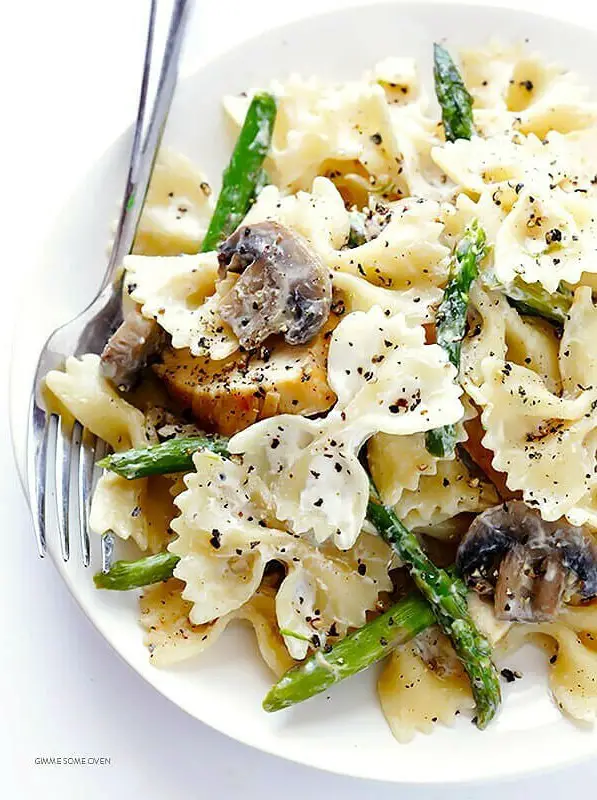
x: 283, y: 288
x: 514, y: 586
x: 549, y: 589
x: 130, y: 348
x: 531, y: 565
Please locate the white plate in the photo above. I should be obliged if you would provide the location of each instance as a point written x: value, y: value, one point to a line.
x: 344, y: 731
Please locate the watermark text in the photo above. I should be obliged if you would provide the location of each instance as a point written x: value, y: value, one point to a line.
x: 73, y: 761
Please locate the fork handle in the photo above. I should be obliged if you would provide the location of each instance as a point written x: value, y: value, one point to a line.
x: 149, y: 128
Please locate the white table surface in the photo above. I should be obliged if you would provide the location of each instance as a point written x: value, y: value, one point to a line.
x: 63, y: 691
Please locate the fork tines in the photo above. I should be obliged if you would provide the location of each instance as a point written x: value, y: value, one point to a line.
x: 72, y: 450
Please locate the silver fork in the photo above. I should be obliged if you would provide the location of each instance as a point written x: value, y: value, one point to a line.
x: 76, y: 451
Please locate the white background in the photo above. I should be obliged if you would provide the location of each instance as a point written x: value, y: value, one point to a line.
x: 69, y: 80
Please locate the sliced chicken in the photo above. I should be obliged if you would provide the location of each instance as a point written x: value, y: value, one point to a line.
x: 228, y: 396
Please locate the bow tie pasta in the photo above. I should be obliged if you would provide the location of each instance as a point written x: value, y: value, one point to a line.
x: 386, y: 379
x: 390, y: 337
x: 177, y: 210
x: 516, y: 89
x: 372, y: 135
x: 400, y: 270
x: 534, y: 433
x: 226, y: 539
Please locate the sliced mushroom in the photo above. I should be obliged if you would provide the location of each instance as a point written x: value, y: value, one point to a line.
x: 284, y: 287
x: 130, y: 348
x: 530, y: 565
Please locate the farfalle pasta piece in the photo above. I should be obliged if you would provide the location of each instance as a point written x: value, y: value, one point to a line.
x: 416, y: 132
x: 512, y: 88
x: 83, y: 393
x: 535, y: 201
x: 417, y: 136
x: 426, y: 490
x: 139, y: 509
x: 572, y: 678
x: 571, y: 645
x: 477, y: 164
x: 407, y: 253
x: 549, y: 236
x: 226, y: 536
x: 386, y: 379
x: 177, y: 208
x: 318, y: 122
x: 450, y: 491
x: 398, y: 77
x: 319, y: 214
x: 180, y: 293
x: 397, y: 463
x: 536, y: 435
x: 354, y: 293
x: 171, y: 638
x: 414, y: 698
x: 506, y: 163
x: 498, y: 330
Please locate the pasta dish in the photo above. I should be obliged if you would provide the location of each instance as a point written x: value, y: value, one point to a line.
x: 353, y: 399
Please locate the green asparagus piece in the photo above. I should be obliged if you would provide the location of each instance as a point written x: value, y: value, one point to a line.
x: 356, y: 652
x: 357, y: 234
x: 261, y: 181
x: 534, y: 300
x: 449, y: 606
x: 451, y: 315
x: 440, y: 442
x: 455, y: 101
x: 350, y: 655
x: 457, y: 114
x: 175, y: 455
x: 124, y: 575
x: 363, y: 647
x: 451, y: 319
x: 244, y: 172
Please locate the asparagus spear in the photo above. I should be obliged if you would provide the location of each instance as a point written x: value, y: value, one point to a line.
x: 244, y: 172
x: 124, y: 575
x: 175, y: 455
x: 350, y: 655
x: 534, y: 300
x: 451, y: 319
x: 356, y: 652
x: 363, y: 647
x: 448, y: 603
x: 455, y: 101
x: 457, y: 114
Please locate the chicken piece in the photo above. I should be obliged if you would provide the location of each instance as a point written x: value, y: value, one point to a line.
x: 228, y: 396
x: 483, y: 458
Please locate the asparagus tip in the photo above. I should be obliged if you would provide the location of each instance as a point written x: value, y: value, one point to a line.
x: 100, y: 581
x: 273, y: 702
x: 269, y: 704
